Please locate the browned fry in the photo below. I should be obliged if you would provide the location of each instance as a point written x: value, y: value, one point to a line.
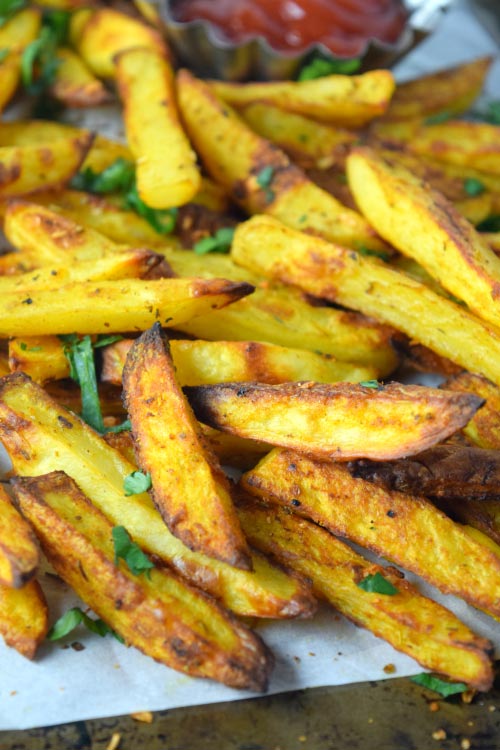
x: 74, y: 84
x: 23, y: 617
x: 159, y: 614
x: 406, y: 529
x: 338, y: 421
x: 483, y: 429
x: 409, y: 621
x: 18, y: 549
x: 189, y: 487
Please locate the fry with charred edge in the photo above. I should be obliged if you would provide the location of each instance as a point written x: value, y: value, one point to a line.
x: 114, y: 306
x: 41, y: 436
x: 406, y: 529
x: 421, y: 223
x: 410, y: 622
x: 18, y: 550
x: 351, y: 101
x: 167, y: 174
x: 484, y: 428
x: 23, y: 618
x: 335, y: 421
x: 159, y: 614
x: 339, y: 275
x: 449, y: 471
x: 260, y: 177
x: 74, y: 84
x: 189, y: 487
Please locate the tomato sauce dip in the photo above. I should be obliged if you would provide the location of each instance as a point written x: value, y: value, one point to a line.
x: 290, y: 26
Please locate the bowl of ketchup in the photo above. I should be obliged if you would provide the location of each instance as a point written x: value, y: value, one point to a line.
x: 271, y: 39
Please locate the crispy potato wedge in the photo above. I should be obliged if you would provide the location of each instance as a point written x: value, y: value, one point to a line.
x: 334, y: 273
x: 40, y: 357
x: 338, y: 421
x: 189, y: 487
x: 161, y: 614
x: 113, y: 306
x: 100, y: 35
x: 449, y: 471
x: 167, y: 174
x: 425, y: 226
x: 75, y: 85
x: 350, y: 101
x: 409, y: 621
x: 18, y: 548
x: 452, y: 91
x: 258, y: 175
x: 41, y: 436
x: 483, y: 429
x: 24, y: 618
x: 405, y: 529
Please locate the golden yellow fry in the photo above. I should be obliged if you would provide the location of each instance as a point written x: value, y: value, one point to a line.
x: 40, y: 357
x: 409, y: 621
x: 18, y: 549
x: 364, y: 284
x: 24, y: 618
x: 167, y: 174
x: 425, y: 226
x: 351, y: 101
x: 335, y: 421
x: 105, y: 152
x: 405, y: 529
x: 48, y: 438
x: 35, y: 132
x: 74, y: 84
x: 158, y: 613
x: 189, y: 487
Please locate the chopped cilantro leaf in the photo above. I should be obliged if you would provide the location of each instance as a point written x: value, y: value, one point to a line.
x: 490, y: 114
x: 74, y: 617
x: 323, y: 66
x: 80, y: 354
x: 473, y: 187
x: 103, y: 340
x: 366, y: 251
x: 377, y: 584
x: 136, y: 483
x: 130, y: 552
x: 122, y: 427
x: 220, y: 242
x: 442, y: 687
x: 265, y: 177
x: 370, y: 384
x: 39, y: 62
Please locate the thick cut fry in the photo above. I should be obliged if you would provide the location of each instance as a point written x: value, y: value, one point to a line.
x: 409, y: 621
x: 161, y: 615
x: 425, y: 226
x: 41, y: 436
x: 18, y: 550
x: 167, y: 174
x: 451, y: 91
x: 24, y: 618
x: 484, y: 428
x: 114, y: 306
x: 334, y: 273
x: 74, y: 84
x: 351, y: 101
x: 405, y: 529
x: 259, y: 176
x: 190, y: 489
x: 102, y: 34
x: 339, y: 421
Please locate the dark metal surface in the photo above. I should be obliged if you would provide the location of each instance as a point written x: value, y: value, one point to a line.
x: 388, y: 715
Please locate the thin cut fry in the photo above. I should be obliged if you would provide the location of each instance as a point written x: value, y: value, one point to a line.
x: 24, y: 618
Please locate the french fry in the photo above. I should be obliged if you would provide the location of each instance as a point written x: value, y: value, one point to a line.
x: 338, y: 421
x: 161, y: 615
x: 409, y: 621
x: 334, y: 273
x: 34, y: 132
x: 167, y: 174
x: 42, y: 441
x: 18, y: 549
x: 259, y: 176
x: 23, y: 618
x: 40, y: 357
x: 423, y: 225
x: 405, y: 529
x: 483, y: 429
x: 189, y: 487
x: 350, y: 101
x: 74, y: 84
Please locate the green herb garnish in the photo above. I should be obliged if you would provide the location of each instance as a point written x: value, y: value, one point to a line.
x: 377, y: 584
x: 122, y: 427
x: 323, y: 66
x: 264, y: 180
x: 136, y: 483
x: 220, y: 242
x: 80, y: 354
x: 438, y: 118
x: 130, y: 552
x: 39, y: 61
x: 74, y: 617
x: 442, y: 687
x: 370, y: 384
x: 491, y: 114
x: 473, y: 187
x: 491, y: 224
x: 367, y: 251
x: 9, y: 8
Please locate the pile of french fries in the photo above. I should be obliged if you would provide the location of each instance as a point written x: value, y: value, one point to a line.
x: 138, y: 356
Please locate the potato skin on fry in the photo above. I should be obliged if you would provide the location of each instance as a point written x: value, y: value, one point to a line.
x: 162, y: 616
x: 335, y: 421
x: 189, y: 487
x: 18, y: 549
x: 24, y: 620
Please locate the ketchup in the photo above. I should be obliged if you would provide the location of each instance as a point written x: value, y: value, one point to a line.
x: 343, y: 26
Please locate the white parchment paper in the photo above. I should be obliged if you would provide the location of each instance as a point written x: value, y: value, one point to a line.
x: 107, y: 679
